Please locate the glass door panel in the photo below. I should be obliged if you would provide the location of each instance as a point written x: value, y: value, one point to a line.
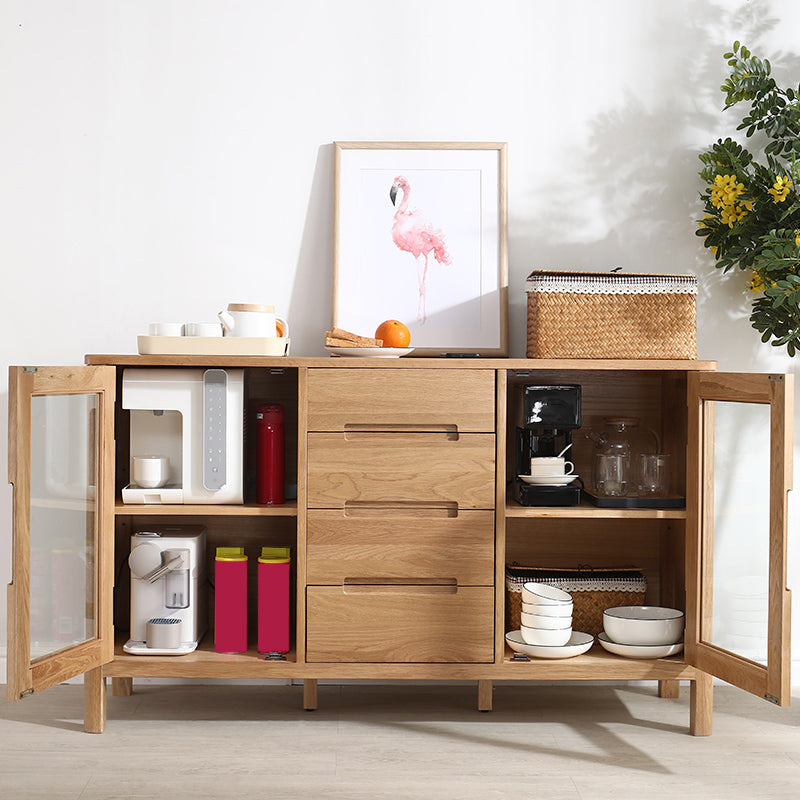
x: 63, y: 522
x: 739, y: 541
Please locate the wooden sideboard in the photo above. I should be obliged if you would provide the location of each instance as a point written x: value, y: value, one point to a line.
x: 403, y: 523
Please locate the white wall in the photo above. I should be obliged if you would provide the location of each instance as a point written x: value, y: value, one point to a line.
x: 161, y: 158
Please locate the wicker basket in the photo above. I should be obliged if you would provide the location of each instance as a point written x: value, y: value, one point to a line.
x: 611, y: 315
x: 592, y: 590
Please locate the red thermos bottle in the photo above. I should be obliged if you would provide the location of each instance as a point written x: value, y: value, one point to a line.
x: 270, y: 450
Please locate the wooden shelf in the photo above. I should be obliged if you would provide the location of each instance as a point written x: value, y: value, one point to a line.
x: 288, y: 509
x: 585, y: 510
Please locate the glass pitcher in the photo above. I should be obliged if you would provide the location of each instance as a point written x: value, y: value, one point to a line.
x: 621, y: 442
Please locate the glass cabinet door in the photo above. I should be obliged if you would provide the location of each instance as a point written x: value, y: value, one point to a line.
x: 61, y: 466
x: 738, y: 604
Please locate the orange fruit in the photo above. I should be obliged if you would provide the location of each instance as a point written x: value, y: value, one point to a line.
x: 393, y: 333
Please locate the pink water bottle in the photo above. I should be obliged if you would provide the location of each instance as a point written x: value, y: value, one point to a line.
x: 270, y: 454
x: 230, y: 600
x: 273, y: 600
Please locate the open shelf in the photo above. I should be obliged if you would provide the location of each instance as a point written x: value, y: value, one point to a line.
x: 287, y: 509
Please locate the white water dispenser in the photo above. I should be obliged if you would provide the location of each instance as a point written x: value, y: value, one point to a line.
x: 188, y: 424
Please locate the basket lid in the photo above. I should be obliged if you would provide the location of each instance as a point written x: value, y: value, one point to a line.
x: 581, y: 282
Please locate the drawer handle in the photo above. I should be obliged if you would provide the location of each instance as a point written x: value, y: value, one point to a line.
x: 387, y: 433
x: 400, y: 586
x: 354, y: 509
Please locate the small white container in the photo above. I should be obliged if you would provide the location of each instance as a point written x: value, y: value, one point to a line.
x: 546, y: 637
x: 643, y: 625
x: 544, y: 594
x: 544, y: 621
x: 150, y: 472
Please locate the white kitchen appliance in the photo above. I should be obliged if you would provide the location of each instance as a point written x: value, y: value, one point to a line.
x: 168, y: 590
x: 196, y: 418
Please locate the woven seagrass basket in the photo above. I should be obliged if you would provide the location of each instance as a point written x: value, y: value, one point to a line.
x: 611, y: 315
x: 592, y: 590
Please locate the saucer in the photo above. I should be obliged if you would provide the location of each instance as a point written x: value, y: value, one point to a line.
x: 639, y: 650
x: 370, y: 352
x: 549, y: 480
x: 577, y: 644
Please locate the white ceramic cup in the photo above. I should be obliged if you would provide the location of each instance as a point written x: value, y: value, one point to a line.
x: 165, y: 329
x: 150, y: 472
x: 247, y: 319
x: 202, y: 329
x: 548, y: 466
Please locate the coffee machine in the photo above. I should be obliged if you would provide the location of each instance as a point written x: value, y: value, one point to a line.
x: 549, y: 415
x: 168, y: 592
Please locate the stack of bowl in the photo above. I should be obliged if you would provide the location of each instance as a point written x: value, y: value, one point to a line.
x: 642, y: 631
x: 546, y: 617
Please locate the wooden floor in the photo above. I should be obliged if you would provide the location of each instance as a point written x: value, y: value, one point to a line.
x: 398, y: 741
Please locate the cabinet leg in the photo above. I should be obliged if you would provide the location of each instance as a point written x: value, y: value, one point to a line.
x: 701, y: 704
x: 309, y: 694
x: 122, y: 687
x: 94, y: 701
x: 484, y: 695
x: 669, y: 689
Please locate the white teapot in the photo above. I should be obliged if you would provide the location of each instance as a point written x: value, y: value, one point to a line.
x: 249, y: 319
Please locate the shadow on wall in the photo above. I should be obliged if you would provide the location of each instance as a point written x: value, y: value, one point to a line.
x: 310, y: 304
x: 631, y: 197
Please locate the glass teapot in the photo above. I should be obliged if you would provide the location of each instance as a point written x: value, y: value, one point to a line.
x: 617, y: 452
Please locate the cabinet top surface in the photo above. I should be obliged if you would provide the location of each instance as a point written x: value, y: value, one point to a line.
x: 337, y: 362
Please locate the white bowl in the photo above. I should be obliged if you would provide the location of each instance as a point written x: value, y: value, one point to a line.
x: 544, y: 594
x: 639, y: 650
x: 561, y: 610
x: 643, y: 625
x: 544, y: 621
x: 546, y: 637
x: 578, y: 643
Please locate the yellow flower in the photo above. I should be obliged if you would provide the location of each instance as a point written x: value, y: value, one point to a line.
x: 730, y: 215
x: 756, y: 283
x: 797, y: 238
x: 780, y: 188
x: 726, y: 191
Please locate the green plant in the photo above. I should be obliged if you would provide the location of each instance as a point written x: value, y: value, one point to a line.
x: 752, y: 208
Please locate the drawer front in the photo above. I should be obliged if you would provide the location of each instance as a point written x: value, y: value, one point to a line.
x: 401, y: 399
x: 374, y: 544
x: 379, y: 467
x: 405, y: 624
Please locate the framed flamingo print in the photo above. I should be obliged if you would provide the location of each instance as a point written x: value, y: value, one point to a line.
x: 420, y: 235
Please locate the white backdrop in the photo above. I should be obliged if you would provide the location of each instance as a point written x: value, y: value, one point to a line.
x: 161, y: 158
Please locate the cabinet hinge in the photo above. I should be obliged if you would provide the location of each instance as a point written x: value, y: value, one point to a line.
x: 26, y: 693
x: 30, y: 369
x: 772, y: 699
x: 776, y: 378
x: 275, y: 656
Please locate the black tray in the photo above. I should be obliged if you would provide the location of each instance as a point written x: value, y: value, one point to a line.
x: 674, y: 501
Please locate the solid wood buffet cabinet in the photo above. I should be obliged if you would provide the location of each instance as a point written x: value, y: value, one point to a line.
x: 403, y: 525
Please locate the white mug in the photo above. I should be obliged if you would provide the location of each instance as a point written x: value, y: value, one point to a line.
x: 247, y: 319
x: 549, y: 466
x: 202, y: 329
x: 150, y: 472
x: 165, y: 329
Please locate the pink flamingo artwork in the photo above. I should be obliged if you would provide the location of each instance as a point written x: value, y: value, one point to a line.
x: 414, y: 234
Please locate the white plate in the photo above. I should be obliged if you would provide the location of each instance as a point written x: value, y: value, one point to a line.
x: 578, y: 643
x: 639, y: 650
x: 373, y: 352
x: 549, y: 480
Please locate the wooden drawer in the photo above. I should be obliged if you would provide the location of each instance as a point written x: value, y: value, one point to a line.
x: 401, y: 399
x: 375, y: 543
x: 381, y: 467
x: 400, y: 623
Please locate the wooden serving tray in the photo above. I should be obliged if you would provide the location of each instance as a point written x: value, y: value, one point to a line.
x: 213, y: 346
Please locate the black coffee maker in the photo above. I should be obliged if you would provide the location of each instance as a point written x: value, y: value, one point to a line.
x: 549, y: 416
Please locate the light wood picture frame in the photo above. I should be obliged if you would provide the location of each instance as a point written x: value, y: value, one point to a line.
x: 420, y: 234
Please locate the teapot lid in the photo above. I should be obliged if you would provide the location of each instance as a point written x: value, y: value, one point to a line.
x: 250, y: 307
